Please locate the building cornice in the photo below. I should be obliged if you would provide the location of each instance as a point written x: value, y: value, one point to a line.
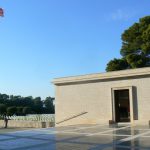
x: 103, y: 76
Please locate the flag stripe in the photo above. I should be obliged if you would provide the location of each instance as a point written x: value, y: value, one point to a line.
x: 1, y: 12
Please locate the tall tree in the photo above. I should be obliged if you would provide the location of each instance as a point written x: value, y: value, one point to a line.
x: 26, y: 110
x: 2, y: 110
x: 117, y: 64
x: 11, y: 110
x: 38, y: 105
x: 135, y: 48
x: 49, y: 105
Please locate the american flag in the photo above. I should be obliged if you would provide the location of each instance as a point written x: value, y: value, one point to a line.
x: 1, y: 12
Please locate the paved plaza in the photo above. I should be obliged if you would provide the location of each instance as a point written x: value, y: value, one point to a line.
x: 79, y: 137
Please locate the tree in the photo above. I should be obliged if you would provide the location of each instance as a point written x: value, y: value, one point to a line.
x: 3, y: 113
x: 28, y: 101
x: 11, y: 110
x: 35, y: 104
x: 19, y: 111
x: 38, y: 105
x: 2, y: 110
x: 135, y: 48
x: 26, y: 110
x: 117, y: 64
x: 49, y: 105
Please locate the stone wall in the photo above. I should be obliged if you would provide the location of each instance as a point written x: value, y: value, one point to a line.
x: 27, y: 124
x: 94, y: 96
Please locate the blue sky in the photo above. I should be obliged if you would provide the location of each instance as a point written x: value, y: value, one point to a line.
x: 42, y: 40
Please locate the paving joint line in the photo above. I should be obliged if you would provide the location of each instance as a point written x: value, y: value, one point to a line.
x: 99, y: 133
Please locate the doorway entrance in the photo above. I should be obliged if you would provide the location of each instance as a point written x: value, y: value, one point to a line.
x: 122, y: 105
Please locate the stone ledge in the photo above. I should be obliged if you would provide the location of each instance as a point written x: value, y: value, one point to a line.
x: 103, y: 76
x: 27, y: 124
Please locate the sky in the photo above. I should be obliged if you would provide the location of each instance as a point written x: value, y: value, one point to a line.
x: 43, y: 40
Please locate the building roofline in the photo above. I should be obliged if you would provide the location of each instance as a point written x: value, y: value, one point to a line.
x: 103, y: 76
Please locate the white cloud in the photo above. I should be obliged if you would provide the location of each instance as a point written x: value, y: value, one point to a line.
x: 121, y: 15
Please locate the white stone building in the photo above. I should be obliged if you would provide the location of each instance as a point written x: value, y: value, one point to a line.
x: 119, y: 96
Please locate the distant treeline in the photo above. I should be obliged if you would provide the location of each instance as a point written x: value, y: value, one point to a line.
x: 18, y: 105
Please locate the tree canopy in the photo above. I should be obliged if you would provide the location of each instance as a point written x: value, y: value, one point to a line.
x: 135, y: 50
x: 49, y: 105
x: 18, y: 105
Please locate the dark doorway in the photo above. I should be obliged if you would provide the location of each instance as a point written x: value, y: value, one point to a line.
x: 122, y: 105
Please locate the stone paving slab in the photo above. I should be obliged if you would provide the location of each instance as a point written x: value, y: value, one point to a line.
x: 80, y: 137
x: 4, y: 130
x: 5, y: 137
